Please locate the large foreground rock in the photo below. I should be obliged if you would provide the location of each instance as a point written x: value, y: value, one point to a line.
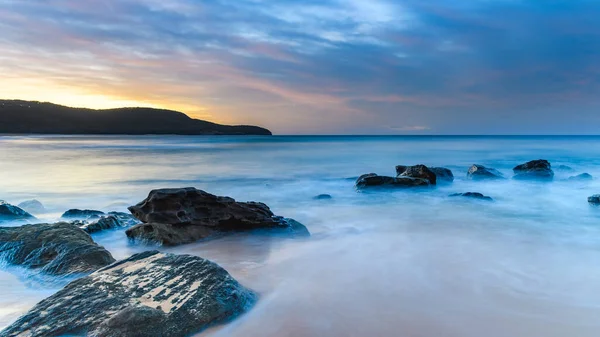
x: 535, y: 169
x: 480, y: 172
x: 56, y: 249
x: 149, y: 294
x: 441, y: 174
x: 374, y: 180
x: 183, y: 215
x: 10, y: 212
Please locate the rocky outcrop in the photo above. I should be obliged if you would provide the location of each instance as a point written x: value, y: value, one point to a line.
x: 150, y: 294
x: 32, y: 206
x: 183, y: 215
x: 373, y: 180
x: 417, y: 171
x: 82, y: 214
x: 594, y: 199
x: 10, y: 212
x: 582, y: 177
x: 112, y: 220
x: 535, y: 169
x: 480, y: 172
x: 441, y: 174
x: 473, y: 195
x: 56, y: 249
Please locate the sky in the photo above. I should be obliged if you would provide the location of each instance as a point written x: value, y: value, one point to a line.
x: 316, y: 66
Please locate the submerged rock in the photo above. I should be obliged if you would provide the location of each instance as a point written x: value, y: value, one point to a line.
x: 10, y: 212
x: 564, y: 168
x: 323, y: 197
x: 374, y: 180
x: 183, y: 215
x: 582, y: 177
x: 32, y: 206
x: 474, y: 195
x: 149, y: 294
x: 594, y: 199
x: 417, y: 171
x: 535, y: 169
x: 441, y: 174
x: 480, y: 172
x: 56, y: 249
x: 82, y: 214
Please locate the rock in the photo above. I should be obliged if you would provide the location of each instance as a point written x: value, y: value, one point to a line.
x: 582, y: 177
x: 564, y: 168
x: 56, y: 249
x: 112, y: 221
x: 9, y: 212
x: 594, y: 199
x: 474, y: 195
x: 323, y: 197
x: 442, y: 174
x: 150, y: 294
x: 417, y: 171
x: 479, y: 172
x: 32, y: 206
x: 535, y: 169
x: 183, y: 215
x: 85, y: 214
x: 374, y: 180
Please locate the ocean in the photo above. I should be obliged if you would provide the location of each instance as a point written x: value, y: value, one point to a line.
x: 413, y: 263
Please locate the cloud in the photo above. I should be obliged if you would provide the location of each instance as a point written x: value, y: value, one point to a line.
x: 332, y: 66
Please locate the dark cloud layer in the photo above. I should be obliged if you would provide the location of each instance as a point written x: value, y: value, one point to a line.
x: 332, y: 66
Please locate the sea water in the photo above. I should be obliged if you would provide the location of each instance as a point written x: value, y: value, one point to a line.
x: 378, y: 263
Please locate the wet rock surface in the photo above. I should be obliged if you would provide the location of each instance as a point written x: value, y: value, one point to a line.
x: 10, y: 212
x: 82, y: 214
x: 444, y: 175
x: 149, y: 294
x: 473, y: 195
x: 112, y: 220
x: 32, y: 206
x: 55, y: 249
x: 184, y: 215
x: 535, y: 169
x: 374, y: 180
x: 480, y: 172
x: 417, y: 171
x: 582, y: 177
x: 594, y: 199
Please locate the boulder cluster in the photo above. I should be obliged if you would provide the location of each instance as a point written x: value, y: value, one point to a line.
x: 147, y: 294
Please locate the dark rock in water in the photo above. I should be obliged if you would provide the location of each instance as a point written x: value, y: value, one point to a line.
x: 9, y: 212
x: 417, y: 171
x: 535, y: 169
x: 582, y: 177
x: 323, y: 197
x: 111, y: 221
x: 374, y: 180
x: 479, y: 172
x: 564, y: 168
x: 82, y: 214
x: 442, y: 174
x: 474, y: 195
x: 32, y: 206
x: 56, y: 249
x: 594, y: 199
x: 183, y: 215
x: 150, y: 294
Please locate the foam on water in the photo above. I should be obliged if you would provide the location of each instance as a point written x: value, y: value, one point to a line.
x: 385, y: 263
